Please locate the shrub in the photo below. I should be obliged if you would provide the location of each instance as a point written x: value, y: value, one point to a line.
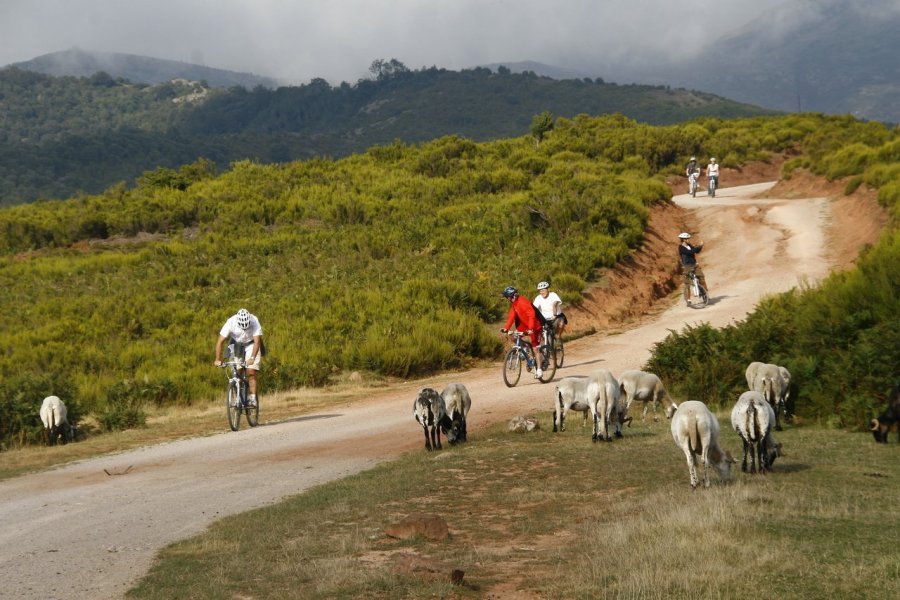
x: 124, y: 407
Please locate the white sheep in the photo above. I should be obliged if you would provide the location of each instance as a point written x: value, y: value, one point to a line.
x: 606, y: 408
x: 773, y: 382
x: 571, y: 394
x: 429, y: 411
x: 54, y: 416
x: 646, y: 387
x: 696, y: 431
x: 457, y: 403
x: 753, y: 419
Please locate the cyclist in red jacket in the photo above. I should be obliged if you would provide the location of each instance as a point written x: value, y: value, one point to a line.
x: 522, y: 314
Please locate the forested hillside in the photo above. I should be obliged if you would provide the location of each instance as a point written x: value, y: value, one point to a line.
x: 63, y: 136
x: 389, y: 261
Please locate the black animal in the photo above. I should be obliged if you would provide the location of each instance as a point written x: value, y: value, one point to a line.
x: 429, y: 411
x: 889, y: 420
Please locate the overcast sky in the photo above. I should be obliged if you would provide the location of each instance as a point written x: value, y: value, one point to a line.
x: 297, y: 40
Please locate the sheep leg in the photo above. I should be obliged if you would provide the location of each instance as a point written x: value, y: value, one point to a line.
x: 692, y: 467
x: 427, y: 439
x: 747, y: 450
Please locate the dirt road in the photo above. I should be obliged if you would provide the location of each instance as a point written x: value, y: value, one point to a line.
x: 78, y: 532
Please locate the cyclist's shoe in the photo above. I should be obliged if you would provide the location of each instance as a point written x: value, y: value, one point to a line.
x: 251, y: 401
x: 538, y: 374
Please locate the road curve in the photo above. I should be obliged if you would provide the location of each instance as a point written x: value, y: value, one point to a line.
x: 91, y: 529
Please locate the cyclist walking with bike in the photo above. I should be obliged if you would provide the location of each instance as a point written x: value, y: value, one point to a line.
x: 712, y: 177
x: 244, y: 335
x: 523, y: 315
x: 687, y: 254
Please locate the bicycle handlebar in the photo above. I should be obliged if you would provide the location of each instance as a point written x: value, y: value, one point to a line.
x: 239, y: 364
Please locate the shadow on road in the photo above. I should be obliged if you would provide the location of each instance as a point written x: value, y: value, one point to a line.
x: 303, y: 418
x: 579, y: 364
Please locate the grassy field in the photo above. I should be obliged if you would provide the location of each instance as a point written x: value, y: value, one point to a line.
x: 544, y: 515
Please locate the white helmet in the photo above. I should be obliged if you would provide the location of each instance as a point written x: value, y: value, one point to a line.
x: 543, y: 285
x: 693, y: 158
x: 684, y: 236
x: 712, y: 159
x: 243, y: 318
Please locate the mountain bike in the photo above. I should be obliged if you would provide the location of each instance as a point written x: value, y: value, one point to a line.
x: 521, y: 352
x: 697, y: 296
x: 694, y: 184
x: 554, y: 340
x: 712, y: 184
x: 236, y: 401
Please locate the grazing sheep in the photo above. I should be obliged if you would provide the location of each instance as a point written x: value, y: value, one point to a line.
x: 54, y: 416
x: 457, y: 403
x: 604, y: 400
x: 646, y: 387
x: 750, y: 373
x: 571, y: 394
x: 696, y: 431
x: 429, y: 410
x: 889, y: 419
x: 773, y: 382
x: 753, y: 419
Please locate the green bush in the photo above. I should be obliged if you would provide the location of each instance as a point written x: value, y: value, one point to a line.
x: 125, y: 403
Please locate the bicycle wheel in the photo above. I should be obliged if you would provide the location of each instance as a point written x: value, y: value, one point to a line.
x: 550, y: 360
x: 512, y: 367
x: 253, y: 413
x: 231, y: 403
x: 700, y: 300
x: 703, y: 299
x: 559, y: 352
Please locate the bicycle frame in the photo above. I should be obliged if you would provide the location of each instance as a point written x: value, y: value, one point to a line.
x: 697, y: 296
x: 237, y: 395
x: 694, y: 182
x: 542, y: 358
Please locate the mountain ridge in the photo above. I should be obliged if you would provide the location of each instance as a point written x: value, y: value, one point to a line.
x: 76, y: 62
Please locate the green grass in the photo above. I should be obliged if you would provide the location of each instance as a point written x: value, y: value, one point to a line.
x: 555, y: 516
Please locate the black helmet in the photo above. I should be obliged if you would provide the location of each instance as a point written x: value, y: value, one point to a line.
x: 510, y: 291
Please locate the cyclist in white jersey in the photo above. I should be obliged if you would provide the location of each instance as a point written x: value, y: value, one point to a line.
x: 550, y: 305
x: 244, y: 335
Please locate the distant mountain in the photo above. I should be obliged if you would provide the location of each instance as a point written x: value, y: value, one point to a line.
x: 831, y: 56
x: 137, y: 69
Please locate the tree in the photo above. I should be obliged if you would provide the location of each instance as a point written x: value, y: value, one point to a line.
x: 383, y: 70
x: 540, y: 125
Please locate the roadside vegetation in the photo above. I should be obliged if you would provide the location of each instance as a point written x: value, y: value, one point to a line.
x: 388, y: 262
x: 544, y: 515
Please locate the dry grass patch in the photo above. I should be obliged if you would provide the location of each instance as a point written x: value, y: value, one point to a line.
x: 546, y: 515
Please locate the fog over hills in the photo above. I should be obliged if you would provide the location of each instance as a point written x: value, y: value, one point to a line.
x: 831, y: 56
x: 137, y: 69
x: 834, y: 56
